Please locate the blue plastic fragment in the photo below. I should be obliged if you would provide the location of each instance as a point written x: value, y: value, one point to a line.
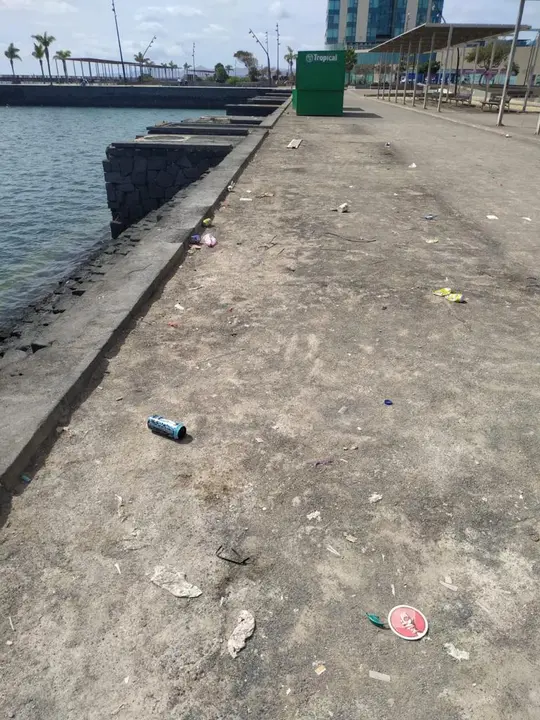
x: 26, y: 480
x: 388, y: 402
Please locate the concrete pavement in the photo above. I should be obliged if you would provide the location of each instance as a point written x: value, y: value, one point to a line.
x: 293, y: 332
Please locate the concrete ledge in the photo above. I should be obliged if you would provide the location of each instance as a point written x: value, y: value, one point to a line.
x: 158, y: 96
x: 40, y: 399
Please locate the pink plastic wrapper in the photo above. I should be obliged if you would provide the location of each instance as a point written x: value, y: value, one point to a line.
x: 209, y: 239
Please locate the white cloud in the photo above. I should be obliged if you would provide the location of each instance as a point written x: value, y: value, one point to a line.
x: 49, y: 7
x: 213, y: 29
x: 150, y: 26
x: 280, y: 10
x: 162, y: 12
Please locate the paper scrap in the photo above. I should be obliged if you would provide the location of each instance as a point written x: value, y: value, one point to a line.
x: 241, y: 633
x: 174, y: 582
x: 379, y: 676
x: 452, y: 650
x: 375, y: 498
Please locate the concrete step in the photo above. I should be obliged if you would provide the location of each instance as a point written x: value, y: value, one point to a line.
x: 258, y: 110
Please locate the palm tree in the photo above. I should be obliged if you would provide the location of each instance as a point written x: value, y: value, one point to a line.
x: 12, y: 53
x: 63, y: 55
x: 229, y: 69
x: 39, y: 54
x: 290, y: 57
x: 187, y: 67
x: 173, y: 66
x: 46, y: 41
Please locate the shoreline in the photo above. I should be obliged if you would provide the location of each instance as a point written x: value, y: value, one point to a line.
x: 41, y: 385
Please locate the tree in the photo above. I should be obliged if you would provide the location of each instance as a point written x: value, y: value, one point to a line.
x: 46, y: 41
x: 12, y: 53
x: 254, y: 73
x: 39, y: 54
x: 64, y: 56
x: 290, y: 58
x: 250, y: 61
x: 502, y: 51
x: 139, y: 58
x: 350, y: 61
x: 220, y: 74
x: 435, y: 67
x: 229, y: 68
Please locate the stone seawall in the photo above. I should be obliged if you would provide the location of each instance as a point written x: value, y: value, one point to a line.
x: 214, y: 98
x: 144, y: 174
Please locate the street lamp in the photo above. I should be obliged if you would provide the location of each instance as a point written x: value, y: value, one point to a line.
x: 265, y: 49
x: 119, y: 43
x: 277, y: 62
x: 149, y: 46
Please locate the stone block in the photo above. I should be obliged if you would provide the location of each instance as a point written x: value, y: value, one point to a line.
x: 138, y: 178
x: 192, y: 174
x: 126, y: 166
x: 140, y: 164
x: 151, y: 176
x: 203, y: 165
x: 113, y: 177
x: 157, y: 163
x: 170, y: 192
x: 180, y: 179
x: 126, y: 187
x: 150, y: 204
x: 184, y: 162
x: 165, y: 179
x: 107, y: 166
x: 111, y: 192
x: 156, y: 192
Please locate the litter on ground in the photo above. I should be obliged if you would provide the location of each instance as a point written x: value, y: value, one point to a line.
x: 375, y: 620
x: 447, y: 583
x: 350, y: 538
x: 375, y: 498
x: 320, y: 668
x: 450, y: 295
x: 295, y: 143
x: 174, y: 582
x: 454, y: 652
x: 241, y: 633
x: 374, y: 675
x: 492, y: 217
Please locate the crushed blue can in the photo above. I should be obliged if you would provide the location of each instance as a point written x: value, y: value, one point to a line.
x: 168, y: 428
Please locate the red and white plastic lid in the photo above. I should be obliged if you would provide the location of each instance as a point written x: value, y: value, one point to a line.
x: 407, y: 622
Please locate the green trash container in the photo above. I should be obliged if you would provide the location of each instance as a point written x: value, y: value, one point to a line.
x: 320, y: 82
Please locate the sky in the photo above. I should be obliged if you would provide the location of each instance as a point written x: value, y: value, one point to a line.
x: 217, y: 27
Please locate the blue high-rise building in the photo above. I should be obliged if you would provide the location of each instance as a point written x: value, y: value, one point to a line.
x: 364, y: 23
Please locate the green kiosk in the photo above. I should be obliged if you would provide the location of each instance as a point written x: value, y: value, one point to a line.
x: 320, y: 82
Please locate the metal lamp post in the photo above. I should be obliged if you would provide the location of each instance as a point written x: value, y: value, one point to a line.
x: 119, y: 42
x: 265, y: 49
